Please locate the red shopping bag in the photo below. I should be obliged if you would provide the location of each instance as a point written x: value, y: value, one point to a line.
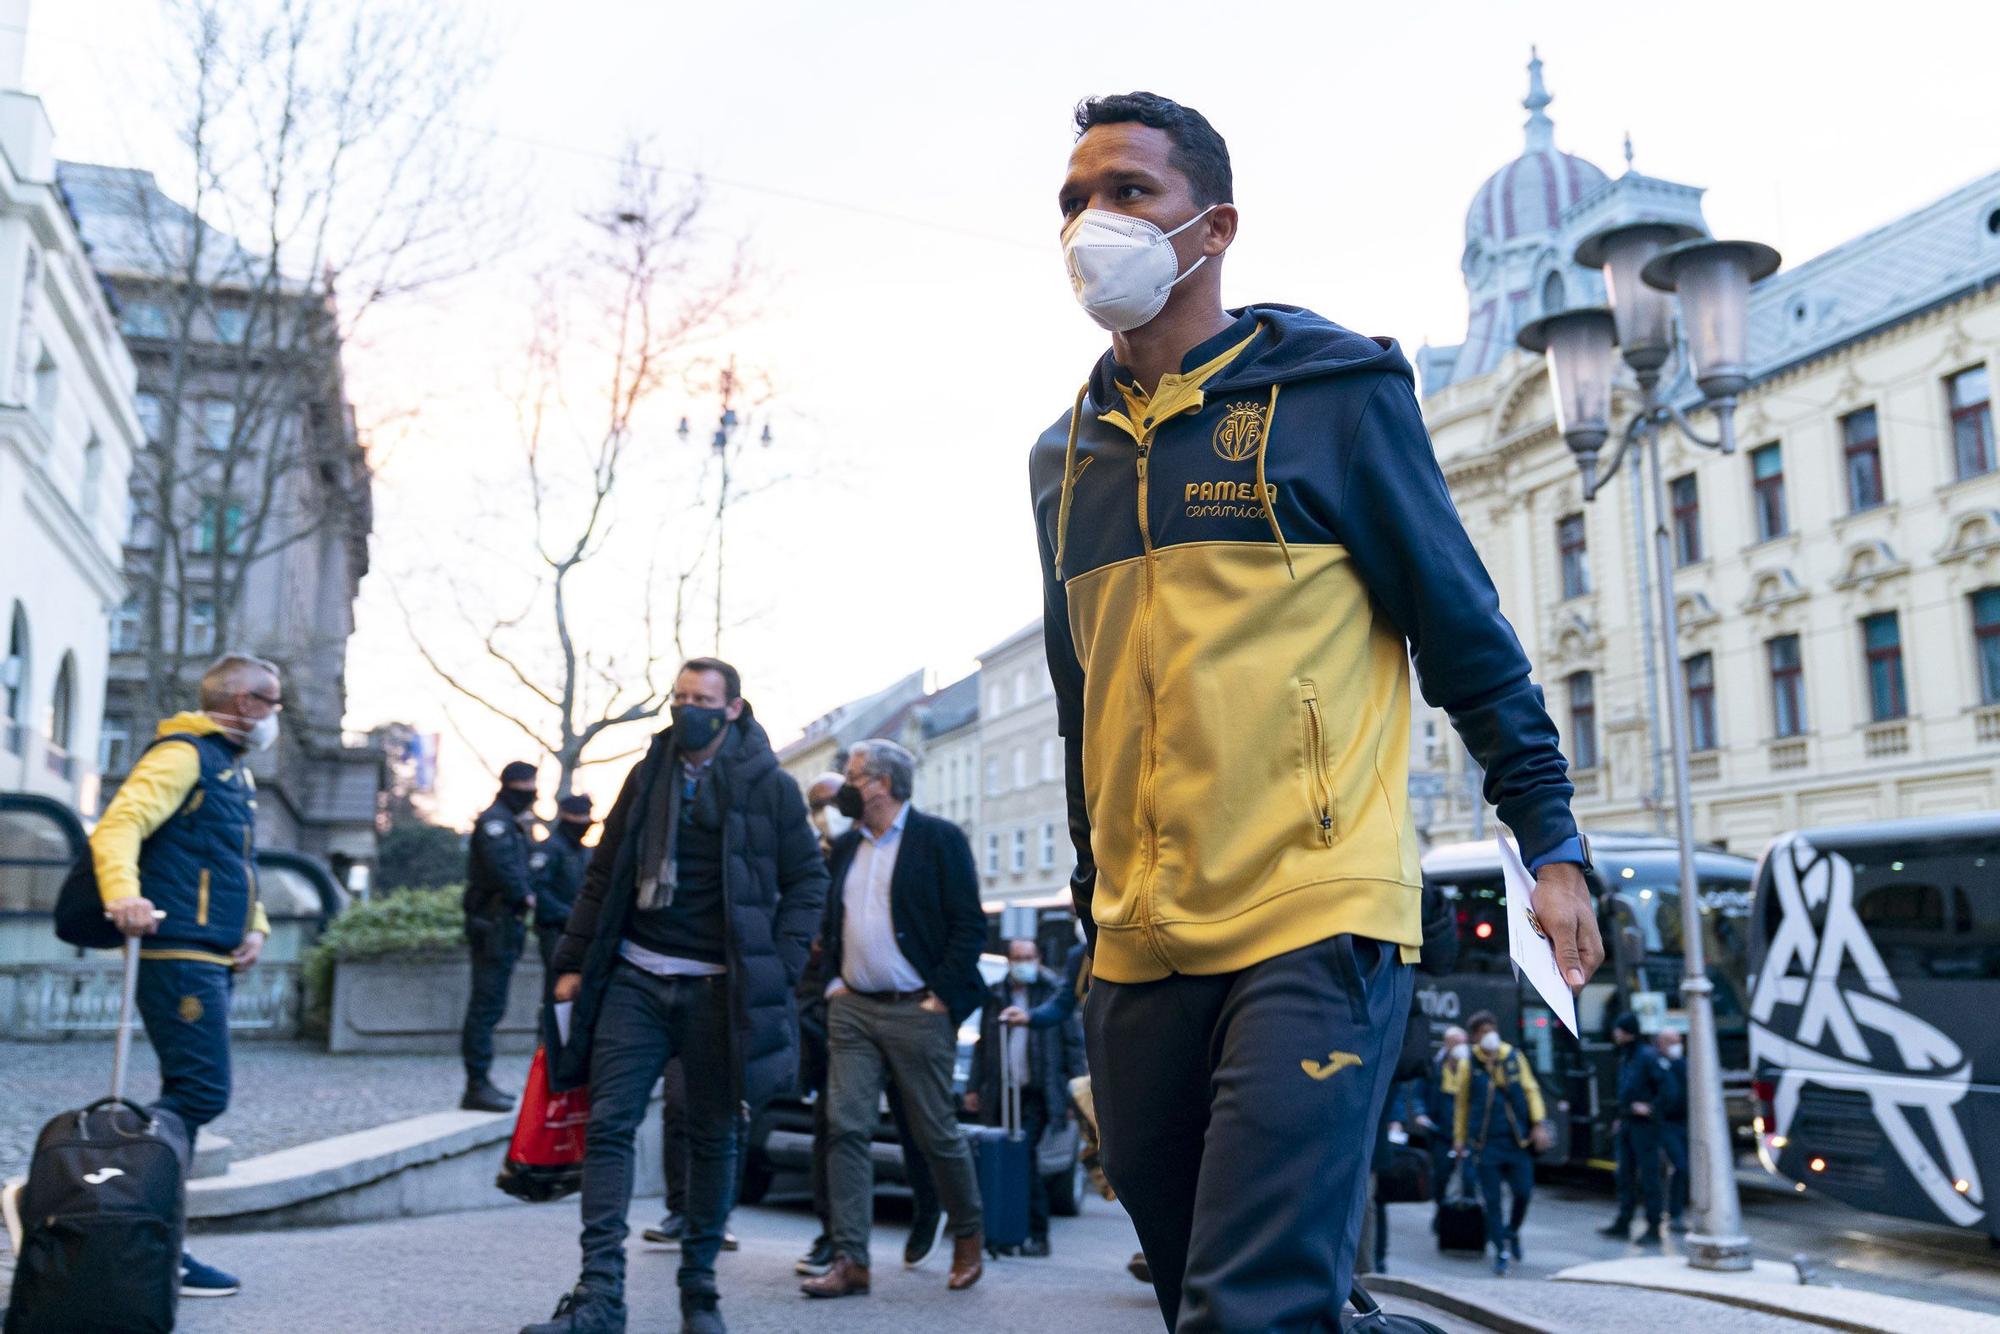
x: 545, y: 1157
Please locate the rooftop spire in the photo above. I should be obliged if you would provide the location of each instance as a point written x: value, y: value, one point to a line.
x: 1541, y: 130
x: 1628, y: 150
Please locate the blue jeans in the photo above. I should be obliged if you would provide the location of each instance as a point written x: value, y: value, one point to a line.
x: 645, y: 1022
x: 184, y: 1005
x: 1505, y: 1164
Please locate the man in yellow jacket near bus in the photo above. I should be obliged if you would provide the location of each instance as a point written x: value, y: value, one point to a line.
x: 1500, y: 1121
x: 175, y: 856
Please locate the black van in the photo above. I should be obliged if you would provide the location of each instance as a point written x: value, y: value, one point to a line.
x: 1636, y: 885
x: 1876, y: 1053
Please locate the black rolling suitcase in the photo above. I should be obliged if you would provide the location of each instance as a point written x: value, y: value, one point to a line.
x: 1461, y: 1220
x: 103, y: 1212
x: 1003, y: 1158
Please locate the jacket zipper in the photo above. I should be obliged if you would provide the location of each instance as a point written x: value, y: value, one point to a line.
x: 1149, y: 761
x: 201, y: 900
x: 1316, y: 762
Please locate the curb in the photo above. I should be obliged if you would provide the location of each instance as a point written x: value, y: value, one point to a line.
x: 1446, y: 1300
x: 1777, y: 1293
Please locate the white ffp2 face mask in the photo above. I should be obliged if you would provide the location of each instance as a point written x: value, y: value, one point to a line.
x: 1123, y: 268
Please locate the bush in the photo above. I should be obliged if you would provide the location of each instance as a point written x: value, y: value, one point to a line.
x: 412, y: 923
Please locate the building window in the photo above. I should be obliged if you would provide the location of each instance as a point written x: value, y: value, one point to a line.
x: 1582, y: 721
x: 1882, y: 645
x: 1863, y: 445
x: 151, y: 416
x: 1020, y: 767
x: 1051, y: 759
x: 218, y: 423
x: 1020, y: 851
x: 1575, y: 555
x: 214, y: 515
x: 1788, y: 692
x: 200, y: 626
x: 231, y: 324
x: 1048, y: 844
x: 1986, y: 639
x: 48, y: 389
x: 93, y: 476
x: 993, y: 854
x: 1553, y: 295
x: 14, y: 674
x: 992, y: 775
x: 61, y: 728
x: 1767, y: 486
x: 1020, y: 687
x: 125, y: 627
x: 143, y: 319
x: 1969, y: 395
x: 114, y: 746
x: 1700, y: 671
x: 1686, y: 495
x: 996, y: 699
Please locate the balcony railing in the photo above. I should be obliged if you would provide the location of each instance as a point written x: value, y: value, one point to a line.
x: 1788, y: 753
x: 1585, y: 782
x: 1883, y: 740
x: 1704, y: 767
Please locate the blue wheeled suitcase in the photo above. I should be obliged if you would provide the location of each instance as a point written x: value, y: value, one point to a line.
x: 1003, y: 1158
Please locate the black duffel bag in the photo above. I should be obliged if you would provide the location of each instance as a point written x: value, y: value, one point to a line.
x: 1406, y: 1177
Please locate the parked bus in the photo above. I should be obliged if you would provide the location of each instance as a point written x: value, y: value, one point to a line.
x: 1636, y: 885
x: 1875, y: 954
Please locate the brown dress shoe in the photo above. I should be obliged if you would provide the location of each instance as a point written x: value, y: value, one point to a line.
x: 967, y: 1262
x: 845, y: 1279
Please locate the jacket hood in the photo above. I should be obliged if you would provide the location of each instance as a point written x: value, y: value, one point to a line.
x: 189, y: 721
x: 1292, y: 344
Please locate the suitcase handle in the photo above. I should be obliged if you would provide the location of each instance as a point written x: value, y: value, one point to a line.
x: 1010, y: 1088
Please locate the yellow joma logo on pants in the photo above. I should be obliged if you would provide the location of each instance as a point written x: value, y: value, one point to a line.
x: 1336, y: 1061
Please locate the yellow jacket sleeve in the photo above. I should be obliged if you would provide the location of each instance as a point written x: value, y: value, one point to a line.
x: 1537, y: 1110
x: 1457, y: 1083
x: 258, y: 921
x: 154, y: 790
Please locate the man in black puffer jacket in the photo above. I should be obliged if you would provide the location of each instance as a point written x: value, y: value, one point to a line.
x: 687, y: 940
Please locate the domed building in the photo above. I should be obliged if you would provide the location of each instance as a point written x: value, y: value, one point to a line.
x: 1514, y: 268
x: 1858, y: 520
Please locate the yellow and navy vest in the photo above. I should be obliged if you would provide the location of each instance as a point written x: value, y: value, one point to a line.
x: 200, y: 866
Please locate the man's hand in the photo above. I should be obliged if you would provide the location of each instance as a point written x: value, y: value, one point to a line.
x: 837, y: 987
x: 1542, y: 1136
x: 1014, y: 1014
x: 567, y: 985
x: 245, y: 955
x: 930, y: 1004
x: 528, y: 904
x: 133, y: 916
x: 972, y: 1101
x: 1567, y: 917
x: 1642, y: 1109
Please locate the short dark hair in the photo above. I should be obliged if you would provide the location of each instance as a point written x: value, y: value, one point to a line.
x: 1483, y: 1019
x: 1199, y: 152
x: 732, y: 680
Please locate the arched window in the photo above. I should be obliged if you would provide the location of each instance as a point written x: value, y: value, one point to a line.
x: 1554, y: 297
x: 14, y: 680
x: 62, y: 704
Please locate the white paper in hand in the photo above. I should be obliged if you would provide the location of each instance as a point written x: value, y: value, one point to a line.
x: 562, y: 1021
x: 1534, y: 957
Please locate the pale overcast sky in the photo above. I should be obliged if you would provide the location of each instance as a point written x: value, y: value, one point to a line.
x: 920, y: 332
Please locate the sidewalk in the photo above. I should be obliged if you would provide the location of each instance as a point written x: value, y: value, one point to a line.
x: 285, y: 1093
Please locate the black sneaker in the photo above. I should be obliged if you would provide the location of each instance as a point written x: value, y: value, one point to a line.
x: 1138, y: 1268
x: 699, y: 1314
x: 583, y: 1311
x: 669, y: 1233
x: 1678, y: 1227
x: 818, y: 1259
x: 1035, y: 1248
x: 924, y: 1233
x: 1619, y: 1229
x: 1514, y: 1246
x: 1650, y: 1237
x: 482, y: 1096
x: 729, y: 1242
x: 200, y: 1280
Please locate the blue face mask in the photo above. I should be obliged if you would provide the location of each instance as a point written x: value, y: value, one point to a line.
x: 1024, y: 971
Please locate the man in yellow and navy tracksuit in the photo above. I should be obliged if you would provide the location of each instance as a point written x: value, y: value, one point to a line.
x: 179, y: 838
x: 1244, y: 537
x: 1499, y: 1121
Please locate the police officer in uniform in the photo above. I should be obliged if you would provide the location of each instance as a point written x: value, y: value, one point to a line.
x: 499, y: 890
x: 1645, y: 1083
x: 559, y: 865
x: 1674, y: 1128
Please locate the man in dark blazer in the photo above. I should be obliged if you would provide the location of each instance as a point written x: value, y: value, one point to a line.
x: 902, y: 937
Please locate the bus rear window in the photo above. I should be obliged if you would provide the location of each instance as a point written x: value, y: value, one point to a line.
x: 1479, y: 906
x: 1931, y: 910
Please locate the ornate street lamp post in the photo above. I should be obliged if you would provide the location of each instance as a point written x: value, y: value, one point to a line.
x: 726, y: 426
x: 1645, y: 264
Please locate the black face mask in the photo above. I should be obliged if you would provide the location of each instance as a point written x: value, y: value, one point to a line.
x: 695, y: 727
x: 572, y: 830
x: 516, y: 800
x: 849, y: 801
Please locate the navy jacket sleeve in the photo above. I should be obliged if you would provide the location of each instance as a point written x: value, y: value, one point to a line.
x: 1058, y: 1008
x: 801, y: 879
x: 1396, y: 518
x: 507, y: 855
x: 582, y: 925
x: 959, y: 984
x: 1066, y: 675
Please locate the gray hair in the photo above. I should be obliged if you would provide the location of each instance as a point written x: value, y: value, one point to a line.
x: 230, y: 675
x: 886, y: 759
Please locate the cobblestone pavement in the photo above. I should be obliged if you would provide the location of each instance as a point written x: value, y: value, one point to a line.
x: 285, y: 1093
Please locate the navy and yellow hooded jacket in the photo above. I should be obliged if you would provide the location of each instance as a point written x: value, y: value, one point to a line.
x: 1236, y: 572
